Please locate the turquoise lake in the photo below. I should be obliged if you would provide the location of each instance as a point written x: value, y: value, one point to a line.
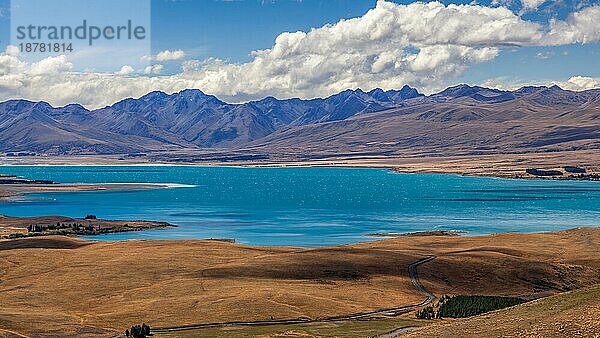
x: 309, y: 206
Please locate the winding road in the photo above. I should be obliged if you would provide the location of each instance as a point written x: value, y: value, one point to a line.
x: 414, y: 278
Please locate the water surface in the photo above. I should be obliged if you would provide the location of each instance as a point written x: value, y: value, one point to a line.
x: 310, y: 206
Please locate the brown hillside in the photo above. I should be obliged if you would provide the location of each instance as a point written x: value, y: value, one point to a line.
x: 65, y: 289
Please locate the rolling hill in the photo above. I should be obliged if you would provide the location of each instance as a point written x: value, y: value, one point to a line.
x: 177, y: 283
x: 569, y: 314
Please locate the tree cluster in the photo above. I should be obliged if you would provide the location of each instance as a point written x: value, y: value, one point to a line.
x: 138, y: 331
x: 466, y: 306
x: 426, y: 313
x: 59, y: 226
x: 539, y: 172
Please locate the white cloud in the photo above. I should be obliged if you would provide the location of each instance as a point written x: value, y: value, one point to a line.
x: 425, y: 45
x: 168, y: 55
x: 581, y: 83
x: 529, y: 5
x: 579, y: 27
x: 12, y: 50
x: 125, y: 70
x: 576, y: 83
x: 165, y: 55
x: 153, y: 69
x: 50, y: 66
x: 192, y: 65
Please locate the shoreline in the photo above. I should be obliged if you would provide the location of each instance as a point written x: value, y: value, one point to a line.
x: 452, y: 233
x: 124, y: 226
x: 392, y: 169
x: 505, y: 166
x: 74, y: 187
x: 9, y: 191
x: 144, y: 225
x: 45, y: 226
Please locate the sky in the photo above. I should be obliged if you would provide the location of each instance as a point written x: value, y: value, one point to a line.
x: 241, y: 50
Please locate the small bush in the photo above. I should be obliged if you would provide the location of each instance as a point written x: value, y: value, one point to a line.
x: 426, y: 313
x: 539, y: 172
x: 138, y: 331
x: 574, y: 169
x: 90, y: 217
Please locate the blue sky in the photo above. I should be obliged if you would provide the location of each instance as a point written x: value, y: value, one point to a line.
x: 229, y: 30
x: 232, y: 29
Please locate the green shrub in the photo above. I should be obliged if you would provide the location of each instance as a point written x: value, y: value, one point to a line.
x: 138, y: 331
x: 426, y: 313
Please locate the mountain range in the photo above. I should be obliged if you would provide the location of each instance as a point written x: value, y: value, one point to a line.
x: 459, y: 119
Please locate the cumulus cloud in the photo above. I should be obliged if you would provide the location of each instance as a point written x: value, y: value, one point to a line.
x: 580, y: 83
x: 154, y: 69
x: 125, y: 70
x: 50, y: 66
x: 168, y: 55
x: 579, y: 27
x: 425, y: 45
x: 575, y: 83
x: 165, y: 55
x: 12, y: 50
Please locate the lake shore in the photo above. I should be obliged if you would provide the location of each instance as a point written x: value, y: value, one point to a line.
x: 513, y: 165
x: 9, y: 191
x: 418, y: 233
x: 21, y: 227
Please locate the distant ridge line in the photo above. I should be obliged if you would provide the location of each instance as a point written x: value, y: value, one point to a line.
x: 459, y: 119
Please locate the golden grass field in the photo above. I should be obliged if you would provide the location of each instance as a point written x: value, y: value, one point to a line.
x: 570, y: 314
x: 63, y: 286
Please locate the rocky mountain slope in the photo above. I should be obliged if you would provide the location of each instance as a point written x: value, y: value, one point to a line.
x: 460, y: 119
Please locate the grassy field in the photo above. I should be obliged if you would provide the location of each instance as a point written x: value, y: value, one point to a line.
x: 57, y: 286
x: 570, y: 314
x: 363, y: 328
